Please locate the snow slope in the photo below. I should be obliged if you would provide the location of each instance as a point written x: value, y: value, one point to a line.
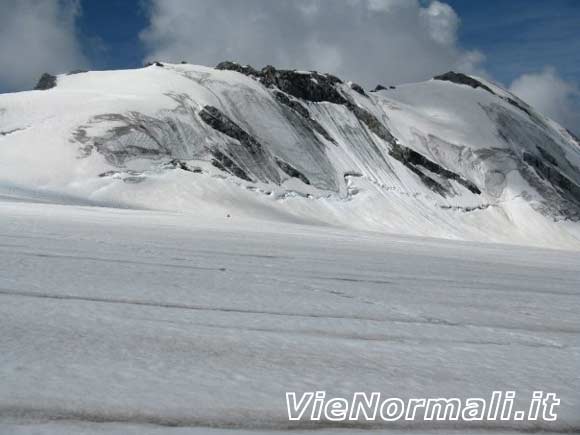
x: 149, y: 322
x: 181, y: 245
x: 440, y: 158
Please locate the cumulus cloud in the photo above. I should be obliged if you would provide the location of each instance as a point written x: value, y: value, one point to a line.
x: 37, y: 36
x: 551, y: 95
x: 370, y: 41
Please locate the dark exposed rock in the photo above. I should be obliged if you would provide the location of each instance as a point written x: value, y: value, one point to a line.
x: 466, y: 209
x: 134, y: 180
x: 432, y: 184
x: 220, y: 122
x: 281, y: 97
x: 226, y: 164
x: 310, y: 86
x: 291, y: 171
x: 412, y: 159
x: 133, y: 136
x: 129, y: 173
x: 179, y: 164
x: 382, y: 88
x: 7, y: 132
x: 76, y: 71
x: 234, y: 66
x: 548, y: 170
x: 46, y: 81
x: 524, y: 108
x: 293, y: 104
x: 463, y: 79
x: 358, y: 88
x: 306, y: 85
x: 156, y: 63
x: 550, y: 173
x: 108, y: 174
x: 575, y: 137
x: 568, y: 205
x: 371, y: 122
x: 250, y: 161
x: 547, y: 156
x: 352, y: 174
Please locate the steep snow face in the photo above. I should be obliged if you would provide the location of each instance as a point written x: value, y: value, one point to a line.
x: 454, y: 157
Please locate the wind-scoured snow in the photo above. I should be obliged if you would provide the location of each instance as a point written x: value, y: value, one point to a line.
x: 439, y: 158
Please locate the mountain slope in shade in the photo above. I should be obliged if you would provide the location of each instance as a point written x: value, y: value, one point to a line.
x: 454, y: 157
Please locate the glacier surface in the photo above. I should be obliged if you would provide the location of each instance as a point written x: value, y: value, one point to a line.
x: 135, y: 321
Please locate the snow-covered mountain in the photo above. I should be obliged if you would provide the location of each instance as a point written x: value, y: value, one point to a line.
x: 455, y: 157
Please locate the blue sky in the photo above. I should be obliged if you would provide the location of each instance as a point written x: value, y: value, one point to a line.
x: 520, y: 36
x: 516, y: 36
x: 522, y: 44
x: 110, y: 32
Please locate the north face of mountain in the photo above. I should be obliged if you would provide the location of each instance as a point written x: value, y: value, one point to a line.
x: 456, y: 156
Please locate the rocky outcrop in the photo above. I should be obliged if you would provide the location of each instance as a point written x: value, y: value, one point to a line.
x: 358, y: 88
x: 309, y: 86
x: 541, y: 161
x: 524, y: 108
x: 299, y: 108
x: 46, y: 81
x: 415, y: 161
x: 245, y: 158
x: 382, y: 88
x: 371, y: 122
x: 220, y: 122
x: 574, y: 136
x: 291, y: 171
x: 180, y: 164
x: 548, y: 171
x: 463, y: 79
x: 293, y: 104
x: 226, y: 164
x: 234, y: 66
x: 306, y: 85
x: 7, y: 132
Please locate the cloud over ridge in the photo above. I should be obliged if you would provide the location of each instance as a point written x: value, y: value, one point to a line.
x: 551, y: 95
x: 37, y: 36
x: 370, y: 41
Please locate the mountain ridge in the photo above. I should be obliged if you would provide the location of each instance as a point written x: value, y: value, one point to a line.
x: 414, y: 158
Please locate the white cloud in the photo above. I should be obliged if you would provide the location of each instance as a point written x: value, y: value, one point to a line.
x: 441, y: 21
x: 370, y: 41
x: 551, y: 95
x: 37, y: 36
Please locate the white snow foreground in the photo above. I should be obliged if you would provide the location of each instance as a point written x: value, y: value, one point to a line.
x: 436, y: 159
x: 147, y: 322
